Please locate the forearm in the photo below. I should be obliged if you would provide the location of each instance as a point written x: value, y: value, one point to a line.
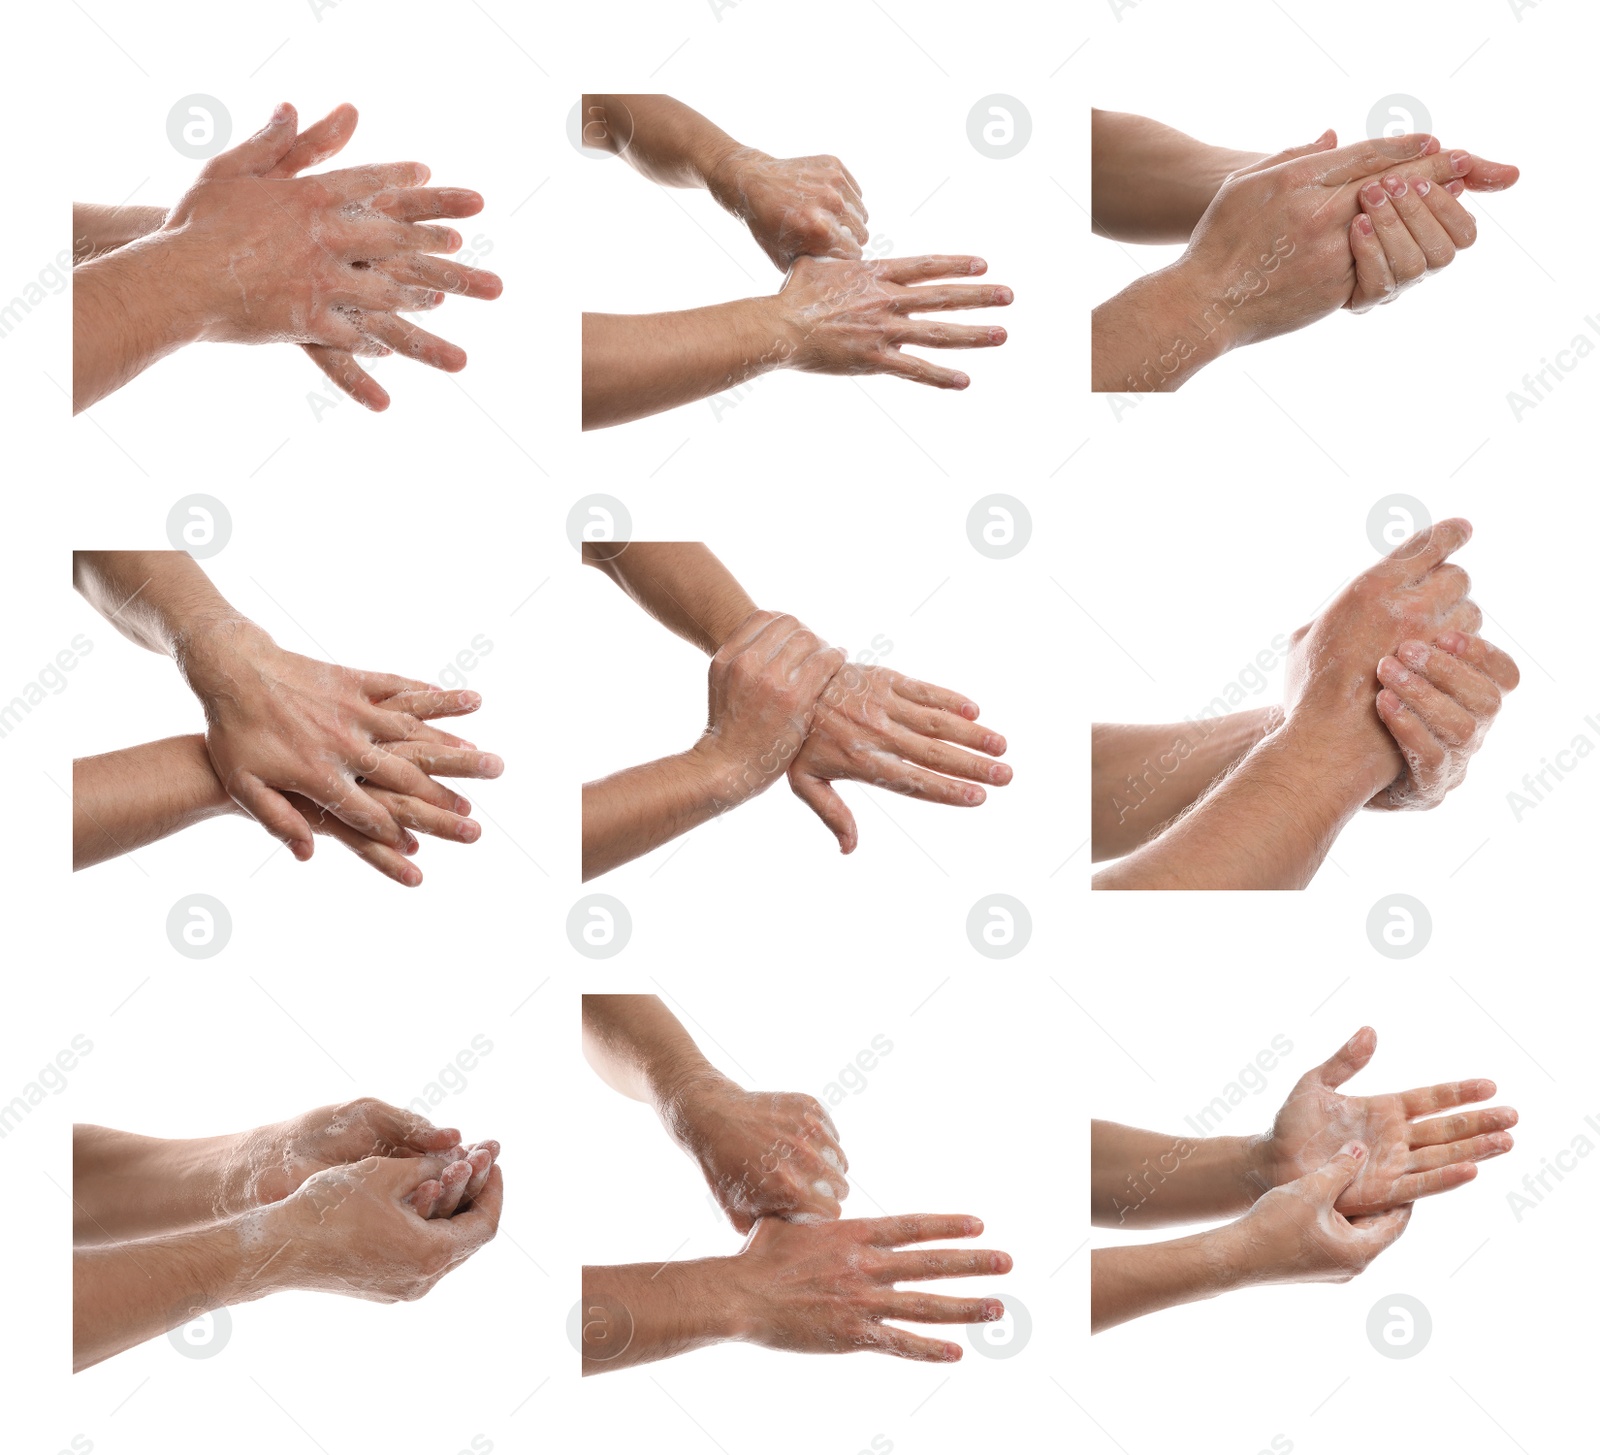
x: 99, y: 229
x: 1268, y: 825
x: 680, y: 583
x: 662, y: 139
x: 1156, y: 335
x: 125, y: 1293
x: 1127, y: 1283
x: 160, y: 600
x: 640, y: 1048
x: 640, y: 1312
x: 639, y: 364
x: 129, y: 308
x: 1140, y: 1179
x: 124, y: 800
x: 1151, y: 183
x: 639, y: 809
x: 125, y: 1186
x: 1142, y: 776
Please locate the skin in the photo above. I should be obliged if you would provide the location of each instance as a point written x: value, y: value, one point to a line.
x: 763, y: 1154
x: 1281, y: 241
x: 813, y: 1288
x: 280, y: 725
x: 830, y: 317
x: 256, y: 253
x: 866, y: 722
x: 126, y: 799
x: 1141, y: 1179
x: 1292, y: 1234
x: 1270, y: 821
x: 383, y: 1228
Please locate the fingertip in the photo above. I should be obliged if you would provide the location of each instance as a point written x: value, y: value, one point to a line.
x: 960, y: 381
x: 411, y: 876
x: 1363, y: 224
x: 973, y: 1228
x: 969, y: 710
x: 973, y: 795
x: 490, y: 765
x: 976, y: 266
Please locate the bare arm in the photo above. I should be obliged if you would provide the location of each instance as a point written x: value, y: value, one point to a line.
x: 671, y: 144
x: 680, y: 583
x: 1140, y: 1179
x: 1142, y: 776
x: 126, y: 1186
x: 158, y: 599
x: 126, y: 799
x: 98, y: 229
x: 638, y: 1047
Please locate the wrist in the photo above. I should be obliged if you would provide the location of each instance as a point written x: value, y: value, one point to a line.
x: 723, y: 776
x: 204, y: 638
x: 770, y: 334
x: 719, y: 164
x: 1341, y: 769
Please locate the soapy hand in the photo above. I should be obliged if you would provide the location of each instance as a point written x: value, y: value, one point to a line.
x: 801, y: 207
x: 878, y: 726
x: 826, y: 1288
x: 763, y: 1153
x: 1411, y: 1153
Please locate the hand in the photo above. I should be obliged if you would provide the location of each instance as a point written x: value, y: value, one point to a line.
x: 1296, y: 1234
x: 879, y: 727
x: 325, y: 260
x: 280, y: 723
x: 373, y: 1229
x: 1438, y: 703
x: 1397, y: 243
x: 1407, y: 1158
x: 763, y: 1153
x: 763, y: 684
x: 803, y: 207
x: 1413, y: 593
x: 1275, y: 247
x: 852, y: 317
x: 826, y: 1288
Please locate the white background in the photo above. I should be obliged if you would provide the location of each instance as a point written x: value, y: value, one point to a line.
x: 1192, y: 531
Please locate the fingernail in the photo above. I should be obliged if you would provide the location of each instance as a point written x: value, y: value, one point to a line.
x: 462, y: 806
x: 1363, y: 224
x: 1429, y: 147
x: 1374, y: 195
x: 960, y: 381
x: 994, y: 743
x: 952, y: 1353
x: 1424, y: 186
x: 1395, y: 186
x: 997, y: 1262
x: 1453, y: 642
x: 997, y: 335
x: 1000, y: 773
x: 974, y: 1227
x: 1388, y: 701
x: 411, y: 877
x: 973, y: 796
x: 467, y: 831
x: 1455, y: 189
x: 1460, y: 161
x: 1353, y: 1149
x: 969, y: 710
x: 1003, y: 295
x: 469, y: 699
x: 993, y: 1309
x: 1414, y: 654
x: 1393, y: 673
x: 977, y: 265
x: 490, y: 766
x: 282, y: 114
x: 455, y: 240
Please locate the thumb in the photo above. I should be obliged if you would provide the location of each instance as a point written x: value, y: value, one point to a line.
x: 1338, y: 1172
x: 1349, y: 1058
x: 275, y: 814
x: 820, y: 797
x: 259, y: 154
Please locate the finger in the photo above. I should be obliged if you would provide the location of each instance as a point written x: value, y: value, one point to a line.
x: 1348, y: 1059
x: 1472, y: 689
x: 352, y: 804
x: 1465, y: 617
x: 431, y: 702
x: 1337, y: 1173
x: 904, y: 1345
x: 933, y: 722
x: 380, y: 686
x: 1323, y: 143
x: 348, y: 376
x: 1424, y: 1100
x: 919, y: 269
x: 1445, y: 718
x: 949, y: 336
x: 1463, y: 1126
x: 365, y: 184
x: 946, y: 296
x: 1468, y: 1150
x: 369, y: 289
x: 1447, y: 583
x: 938, y: 1308
x: 1482, y: 175
x: 274, y: 813
x: 385, y: 770
x: 945, y: 1263
x: 919, y: 371
x: 850, y: 179
x: 1375, y: 281
x: 406, y: 1129
x: 930, y: 695
x: 1409, y: 200
x: 391, y: 863
x: 914, y: 781
x: 1431, y: 546
x: 1376, y: 1231
x: 944, y: 758
x: 437, y: 821
x: 425, y: 1199
x: 1448, y: 213
x: 1368, y: 157
x: 474, y: 1226
x: 1431, y: 1184
x: 406, y: 339
x: 919, y: 1228
x: 424, y: 271
x: 257, y: 155
x: 422, y: 204
x: 1424, y: 754
x: 377, y: 240
x: 1406, y: 261
x: 483, y: 1158
x: 1484, y: 656
x: 319, y: 141
x: 447, y: 760
x: 823, y: 800
x: 452, y: 1186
